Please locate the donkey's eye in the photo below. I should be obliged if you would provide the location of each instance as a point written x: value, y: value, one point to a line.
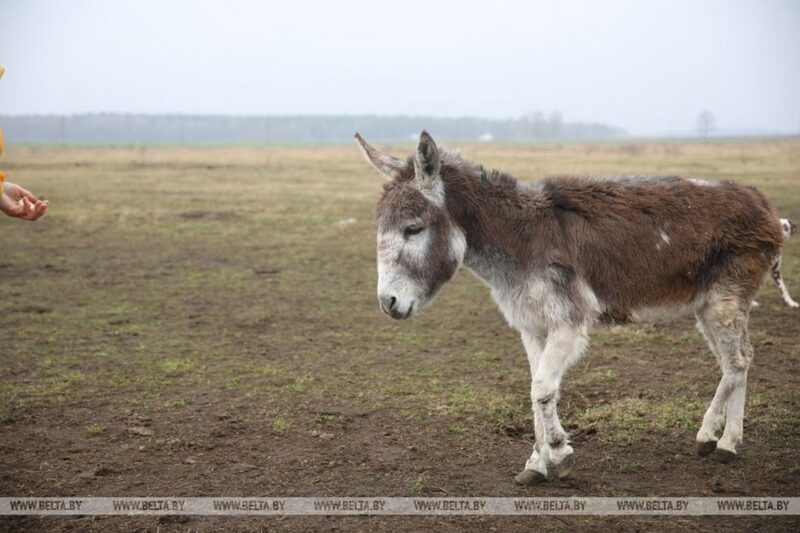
x: 412, y: 230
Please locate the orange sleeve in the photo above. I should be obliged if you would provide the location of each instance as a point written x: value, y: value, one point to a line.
x: 2, y: 176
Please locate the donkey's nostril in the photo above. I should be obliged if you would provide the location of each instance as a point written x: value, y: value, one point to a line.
x: 388, y: 303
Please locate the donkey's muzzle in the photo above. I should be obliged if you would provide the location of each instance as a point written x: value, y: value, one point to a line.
x: 391, y: 306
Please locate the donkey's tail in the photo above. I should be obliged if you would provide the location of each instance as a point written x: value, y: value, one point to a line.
x: 789, y: 229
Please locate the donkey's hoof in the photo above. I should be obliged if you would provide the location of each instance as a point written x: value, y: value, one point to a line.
x: 529, y: 477
x: 725, y: 456
x: 564, y: 468
x: 705, y: 448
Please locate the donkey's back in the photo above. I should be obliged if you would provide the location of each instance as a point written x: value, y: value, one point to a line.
x: 656, y: 242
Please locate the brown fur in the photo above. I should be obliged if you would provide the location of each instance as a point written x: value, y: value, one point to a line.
x: 565, y: 252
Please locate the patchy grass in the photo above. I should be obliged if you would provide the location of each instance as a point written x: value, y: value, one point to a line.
x: 458, y: 429
x: 177, y: 403
x: 177, y: 282
x: 281, y: 423
x: 177, y: 366
x: 93, y: 430
x: 626, y: 420
x: 213, y: 292
x: 418, y: 484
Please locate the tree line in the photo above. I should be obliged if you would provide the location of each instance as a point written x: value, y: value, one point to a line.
x: 118, y: 128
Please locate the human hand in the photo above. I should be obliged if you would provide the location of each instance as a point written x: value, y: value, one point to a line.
x: 20, y: 203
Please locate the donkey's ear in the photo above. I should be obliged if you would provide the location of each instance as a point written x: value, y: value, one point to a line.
x: 426, y: 160
x: 387, y: 165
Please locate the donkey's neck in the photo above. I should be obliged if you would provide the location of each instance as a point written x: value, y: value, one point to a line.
x: 487, y: 206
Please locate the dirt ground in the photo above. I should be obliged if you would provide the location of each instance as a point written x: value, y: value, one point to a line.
x: 202, y: 322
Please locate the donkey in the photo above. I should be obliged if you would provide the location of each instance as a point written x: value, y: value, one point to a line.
x: 567, y: 253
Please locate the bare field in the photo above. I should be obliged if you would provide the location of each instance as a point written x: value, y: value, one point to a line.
x: 202, y: 321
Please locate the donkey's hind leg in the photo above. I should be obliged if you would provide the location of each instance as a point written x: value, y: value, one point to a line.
x: 723, y: 321
x: 714, y: 418
x: 734, y: 417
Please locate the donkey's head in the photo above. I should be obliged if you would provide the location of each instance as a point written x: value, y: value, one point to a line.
x: 419, y: 246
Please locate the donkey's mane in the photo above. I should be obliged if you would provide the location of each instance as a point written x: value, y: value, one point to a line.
x: 455, y: 166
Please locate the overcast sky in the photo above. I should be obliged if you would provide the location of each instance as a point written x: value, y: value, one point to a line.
x: 648, y: 66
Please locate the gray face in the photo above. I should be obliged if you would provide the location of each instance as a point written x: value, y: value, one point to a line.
x: 419, y: 249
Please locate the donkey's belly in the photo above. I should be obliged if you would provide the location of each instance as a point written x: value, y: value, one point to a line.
x: 658, y: 312
x: 661, y: 313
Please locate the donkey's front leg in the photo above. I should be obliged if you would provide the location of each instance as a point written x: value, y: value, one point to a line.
x: 562, y: 349
x: 533, y: 343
